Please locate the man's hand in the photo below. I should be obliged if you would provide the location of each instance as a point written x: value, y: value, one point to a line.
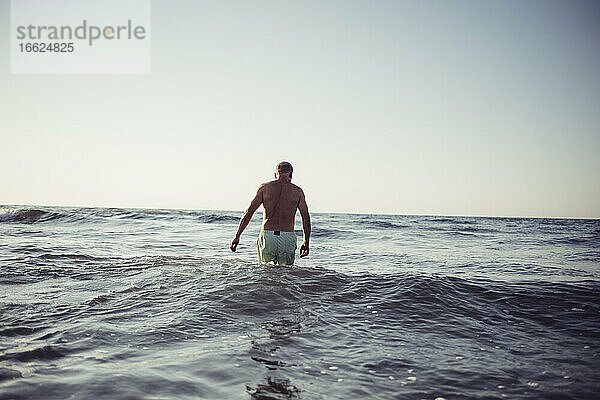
x: 234, y: 243
x: 304, y: 249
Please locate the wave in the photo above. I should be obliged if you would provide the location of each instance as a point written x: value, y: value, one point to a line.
x: 250, y: 290
x: 461, y: 233
x: 573, y: 240
x: 123, y: 213
x: 38, y: 215
x: 370, y: 222
x: 44, y: 265
x: 453, y: 220
x: 44, y: 353
x: 326, y: 232
x: 19, y: 331
x: 268, y: 316
x: 28, y: 216
x: 458, y: 229
x: 216, y: 218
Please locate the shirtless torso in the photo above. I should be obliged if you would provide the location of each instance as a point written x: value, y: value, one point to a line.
x: 280, y: 199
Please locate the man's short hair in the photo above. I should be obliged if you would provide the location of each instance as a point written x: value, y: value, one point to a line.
x: 285, y: 167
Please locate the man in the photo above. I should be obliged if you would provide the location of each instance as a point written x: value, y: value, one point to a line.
x: 280, y: 199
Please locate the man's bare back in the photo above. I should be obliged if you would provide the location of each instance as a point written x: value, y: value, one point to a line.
x: 280, y: 199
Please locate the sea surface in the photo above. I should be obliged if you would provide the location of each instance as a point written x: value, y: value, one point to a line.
x: 107, y: 303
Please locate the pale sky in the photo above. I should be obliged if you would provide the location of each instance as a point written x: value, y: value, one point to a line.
x: 425, y: 107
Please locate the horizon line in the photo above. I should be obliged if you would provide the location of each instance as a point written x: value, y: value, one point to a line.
x: 312, y: 212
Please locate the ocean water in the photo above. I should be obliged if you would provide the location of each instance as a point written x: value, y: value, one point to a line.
x: 150, y: 304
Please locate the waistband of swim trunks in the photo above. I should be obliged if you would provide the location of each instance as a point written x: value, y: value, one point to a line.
x: 277, y: 233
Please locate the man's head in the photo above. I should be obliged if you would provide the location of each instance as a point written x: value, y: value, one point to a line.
x: 284, y: 170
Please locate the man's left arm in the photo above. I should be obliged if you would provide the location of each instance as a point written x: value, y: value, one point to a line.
x: 254, y: 204
x: 303, y: 207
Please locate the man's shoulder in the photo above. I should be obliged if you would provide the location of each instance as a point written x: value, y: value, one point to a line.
x: 268, y: 185
x: 296, y: 187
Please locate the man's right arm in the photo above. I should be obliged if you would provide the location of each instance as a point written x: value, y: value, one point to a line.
x: 303, y: 207
x: 254, y: 204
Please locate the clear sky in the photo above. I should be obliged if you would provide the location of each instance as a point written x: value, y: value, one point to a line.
x: 424, y: 107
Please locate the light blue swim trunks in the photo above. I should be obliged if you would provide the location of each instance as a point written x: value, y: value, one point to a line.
x: 276, y: 246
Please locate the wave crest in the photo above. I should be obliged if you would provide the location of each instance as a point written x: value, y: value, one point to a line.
x: 28, y: 216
